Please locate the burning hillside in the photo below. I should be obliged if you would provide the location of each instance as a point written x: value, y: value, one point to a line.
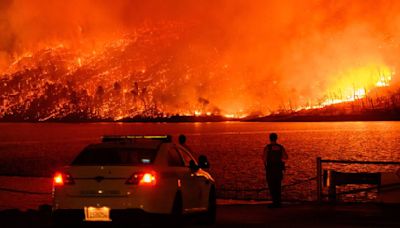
x: 87, y: 60
x: 125, y: 78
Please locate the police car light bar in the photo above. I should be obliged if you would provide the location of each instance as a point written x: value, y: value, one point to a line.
x: 113, y: 138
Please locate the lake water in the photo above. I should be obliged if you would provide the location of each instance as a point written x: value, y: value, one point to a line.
x: 233, y: 148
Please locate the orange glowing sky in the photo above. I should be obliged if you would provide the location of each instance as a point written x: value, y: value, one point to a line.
x: 234, y: 56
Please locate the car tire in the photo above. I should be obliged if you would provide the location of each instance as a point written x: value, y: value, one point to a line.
x: 177, y: 210
x: 211, y: 214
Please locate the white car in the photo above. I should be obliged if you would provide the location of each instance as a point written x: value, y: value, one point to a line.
x: 129, y: 177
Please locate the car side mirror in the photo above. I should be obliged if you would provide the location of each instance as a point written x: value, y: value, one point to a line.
x: 203, y: 162
x: 193, y: 166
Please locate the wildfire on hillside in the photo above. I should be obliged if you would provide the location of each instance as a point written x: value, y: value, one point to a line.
x: 96, y: 60
x: 357, y: 84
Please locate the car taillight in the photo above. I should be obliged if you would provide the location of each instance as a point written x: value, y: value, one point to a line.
x: 144, y: 178
x: 61, y: 179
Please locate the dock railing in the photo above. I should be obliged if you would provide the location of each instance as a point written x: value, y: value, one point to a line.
x: 320, y: 162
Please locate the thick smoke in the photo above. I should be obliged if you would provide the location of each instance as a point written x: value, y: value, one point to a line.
x: 240, y: 56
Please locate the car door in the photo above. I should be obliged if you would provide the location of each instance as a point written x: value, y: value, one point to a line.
x: 185, y: 178
x: 196, y: 180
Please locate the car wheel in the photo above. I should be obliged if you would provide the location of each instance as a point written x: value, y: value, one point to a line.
x: 177, y: 210
x: 211, y: 213
x: 209, y: 217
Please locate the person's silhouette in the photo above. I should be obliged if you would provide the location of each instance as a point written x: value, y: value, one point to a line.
x: 182, y: 142
x: 273, y: 157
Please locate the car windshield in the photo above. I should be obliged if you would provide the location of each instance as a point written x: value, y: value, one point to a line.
x: 115, y: 156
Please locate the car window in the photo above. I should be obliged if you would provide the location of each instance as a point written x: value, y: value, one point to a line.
x: 174, y: 159
x: 115, y: 156
x: 186, y: 156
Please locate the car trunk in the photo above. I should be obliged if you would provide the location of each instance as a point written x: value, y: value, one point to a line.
x: 101, y: 181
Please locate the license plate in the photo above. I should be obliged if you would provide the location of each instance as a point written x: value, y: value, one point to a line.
x: 98, y: 214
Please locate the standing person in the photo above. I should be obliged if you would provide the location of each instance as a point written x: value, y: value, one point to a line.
x: 202, y: 159
x: 274, y: 157
x: 182, y: 142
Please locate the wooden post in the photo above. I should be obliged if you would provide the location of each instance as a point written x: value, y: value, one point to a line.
x: 319, y: 174
x: 332, y: 187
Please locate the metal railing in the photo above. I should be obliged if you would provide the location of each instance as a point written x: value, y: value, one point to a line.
x: 257, y: 191
x: 24, y: 191
x: 319, y: 176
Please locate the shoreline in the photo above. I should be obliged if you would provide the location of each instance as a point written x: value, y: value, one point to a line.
x: 221, y: 119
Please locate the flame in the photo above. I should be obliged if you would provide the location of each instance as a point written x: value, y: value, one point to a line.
x: 229, y: 115
x: 357, y: 82
x: 236, y: 116
x: 125, y: 101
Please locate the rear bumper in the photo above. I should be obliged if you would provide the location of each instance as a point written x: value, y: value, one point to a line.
x: 155, y: 200
x: 149, y: 200
x: 154, y: 204
x: 76, y: 216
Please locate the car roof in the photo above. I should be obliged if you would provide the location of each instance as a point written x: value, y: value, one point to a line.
x: 140, y: 143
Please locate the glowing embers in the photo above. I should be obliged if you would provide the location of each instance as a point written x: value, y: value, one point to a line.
x: 198, y: 113
x: 384, y: 81
x: 235, y: 116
